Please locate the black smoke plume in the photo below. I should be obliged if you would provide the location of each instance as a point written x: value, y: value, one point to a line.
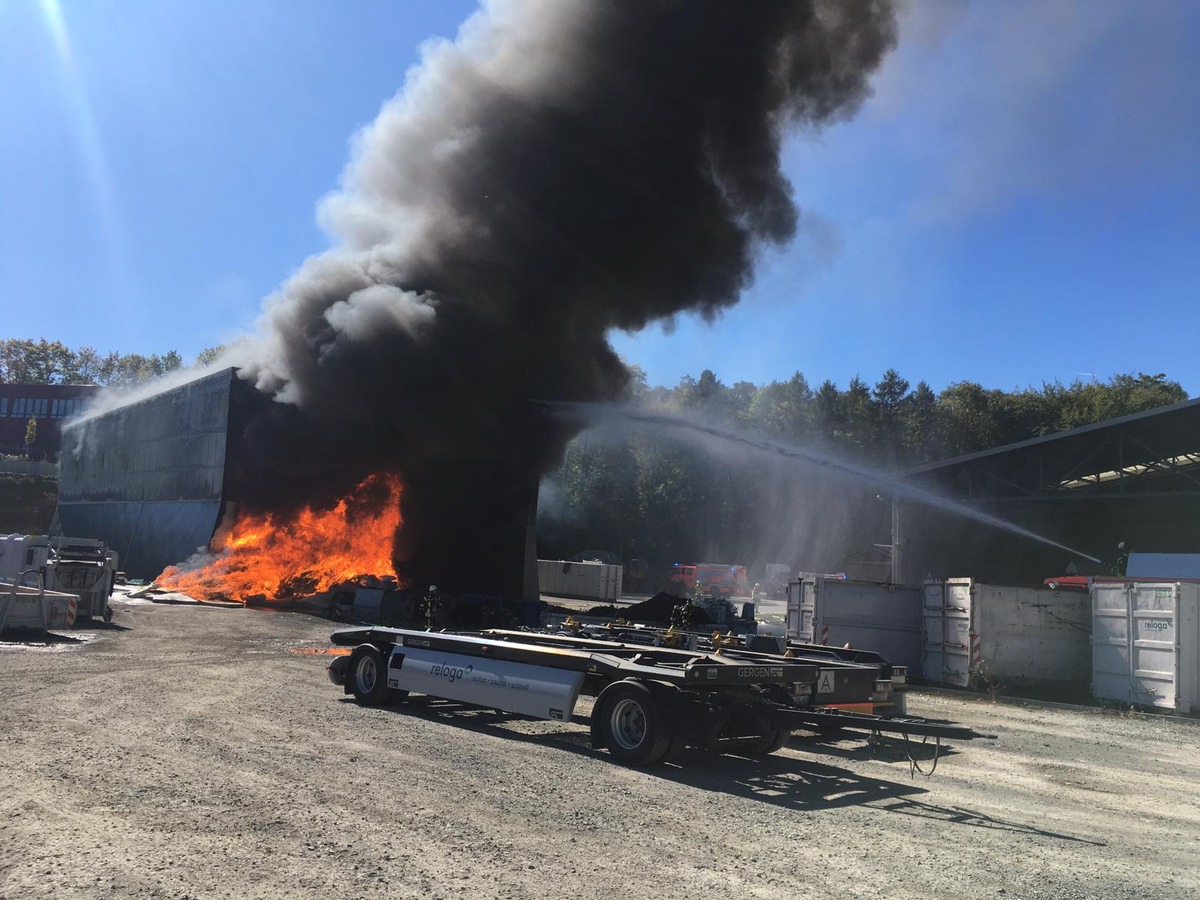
x: 563, y: 168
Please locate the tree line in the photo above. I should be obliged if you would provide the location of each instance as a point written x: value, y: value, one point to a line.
x: 653, y: 495
x: 52, y: 362
x: 896, y: 425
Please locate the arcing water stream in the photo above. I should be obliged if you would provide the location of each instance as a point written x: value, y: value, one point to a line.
x: 597, y: 413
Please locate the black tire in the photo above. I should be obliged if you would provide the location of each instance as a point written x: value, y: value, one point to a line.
x: 631, y: 726
x: 771, y: 740
x: 368, y: 676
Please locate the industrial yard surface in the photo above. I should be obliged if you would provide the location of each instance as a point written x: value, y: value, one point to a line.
x: 195, y: 751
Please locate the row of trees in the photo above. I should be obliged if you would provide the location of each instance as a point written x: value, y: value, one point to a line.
x: 52, y: 362
x: 895, y: 425
x: 653, y: 494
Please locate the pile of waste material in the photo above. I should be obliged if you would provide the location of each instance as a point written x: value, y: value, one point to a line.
x: 656, y: 610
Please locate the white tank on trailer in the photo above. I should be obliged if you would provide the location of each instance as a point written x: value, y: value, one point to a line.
x: 539, y: 691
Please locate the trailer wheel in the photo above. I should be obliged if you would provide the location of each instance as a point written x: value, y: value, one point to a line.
x: 368, y: 675
x: 631, y: 726
x: 771, y: 740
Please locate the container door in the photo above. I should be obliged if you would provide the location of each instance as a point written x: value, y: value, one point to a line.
x: 946, y: 613
x: 1153, y: 631
x: 1134, y: 638
x: 1112, y: 663
x: 800, y: 610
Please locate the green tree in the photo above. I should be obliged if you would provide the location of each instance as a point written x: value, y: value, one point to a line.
x: 783, y: 408
x: 890, y: 397
x: 919, y: 440
x: 827, y: 411
x: 858, y: 418
x: 36, y: 362
x: 30, y: 433
x: 209, y: 355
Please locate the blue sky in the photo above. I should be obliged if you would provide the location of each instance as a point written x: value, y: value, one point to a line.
x: 1019, y: 201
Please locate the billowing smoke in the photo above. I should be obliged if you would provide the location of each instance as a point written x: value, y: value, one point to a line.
x: 565, y: 167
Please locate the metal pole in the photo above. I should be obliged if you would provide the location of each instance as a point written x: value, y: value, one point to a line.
x: 896, y: 555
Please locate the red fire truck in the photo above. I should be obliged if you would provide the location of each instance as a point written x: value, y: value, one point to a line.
x: 717, y: 578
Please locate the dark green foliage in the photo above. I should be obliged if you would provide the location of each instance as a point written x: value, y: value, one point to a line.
x: 26, y: 504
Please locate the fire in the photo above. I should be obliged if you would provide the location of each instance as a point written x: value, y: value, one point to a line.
x: 309, y: 553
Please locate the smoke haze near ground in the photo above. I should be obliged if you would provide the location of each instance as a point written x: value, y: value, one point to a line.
x: 562, y: 169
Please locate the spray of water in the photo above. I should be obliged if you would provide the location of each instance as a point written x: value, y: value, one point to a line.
x: 600, y: 413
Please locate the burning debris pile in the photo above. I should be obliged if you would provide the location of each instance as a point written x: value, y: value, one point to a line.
x: 312, y: 552
x: 562, y: 169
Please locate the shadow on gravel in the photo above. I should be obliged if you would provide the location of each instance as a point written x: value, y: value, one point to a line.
x: 30, y: 637
x: 786, y: 781
x: 100, y: 626
x: 34, y: 636
x: 959, y: 816
x: 799, y: 784
x: 892, y: 749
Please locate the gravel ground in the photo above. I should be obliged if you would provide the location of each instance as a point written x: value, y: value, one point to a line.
x: 201, y: 752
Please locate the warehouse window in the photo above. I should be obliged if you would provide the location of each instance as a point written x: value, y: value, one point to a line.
x: 3, y: 406
x: 30, y: 408
x: 65, y: 408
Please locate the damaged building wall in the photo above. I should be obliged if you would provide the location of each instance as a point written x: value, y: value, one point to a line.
x: 148, y: 478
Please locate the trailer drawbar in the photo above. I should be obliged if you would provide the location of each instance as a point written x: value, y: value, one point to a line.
x: 651, y: 701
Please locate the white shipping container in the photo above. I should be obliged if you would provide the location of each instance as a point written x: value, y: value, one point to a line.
x: 582, y: 580
x: 1016, y: 635
x: 867, y: 615
x: 1146, y: 643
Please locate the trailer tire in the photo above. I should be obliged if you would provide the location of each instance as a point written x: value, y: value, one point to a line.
x: 770, y: 741
x: 631, y: 726
x: 368, y: 676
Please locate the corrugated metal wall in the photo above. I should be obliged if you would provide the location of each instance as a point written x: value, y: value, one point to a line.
x: 148, y: 478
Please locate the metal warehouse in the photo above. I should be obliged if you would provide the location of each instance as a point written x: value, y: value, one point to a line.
x: 1132, y: 481
x: 150, y: 478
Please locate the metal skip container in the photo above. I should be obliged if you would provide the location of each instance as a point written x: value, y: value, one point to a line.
x: 1146, y: 643
x: 583, y: 580
x: 26, y: 607
x: 1015, y: 635
x: 883, y: 618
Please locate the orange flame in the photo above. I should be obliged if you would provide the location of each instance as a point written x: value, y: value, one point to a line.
x: 313, y: 552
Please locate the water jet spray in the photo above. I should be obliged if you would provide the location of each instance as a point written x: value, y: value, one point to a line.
x: 597, y: 413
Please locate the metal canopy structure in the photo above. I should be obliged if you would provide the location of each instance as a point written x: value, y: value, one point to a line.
x: 1125, y: 484
x: 1144, y: 454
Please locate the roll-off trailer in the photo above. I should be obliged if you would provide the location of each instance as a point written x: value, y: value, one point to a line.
x: 652, y: 701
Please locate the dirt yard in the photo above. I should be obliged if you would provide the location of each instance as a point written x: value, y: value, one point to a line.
x: 201, y: 752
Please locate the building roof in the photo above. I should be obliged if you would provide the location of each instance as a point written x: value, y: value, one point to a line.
x: 1148, y: 452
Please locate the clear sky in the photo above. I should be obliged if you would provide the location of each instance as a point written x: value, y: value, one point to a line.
x: 1018, y: 202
